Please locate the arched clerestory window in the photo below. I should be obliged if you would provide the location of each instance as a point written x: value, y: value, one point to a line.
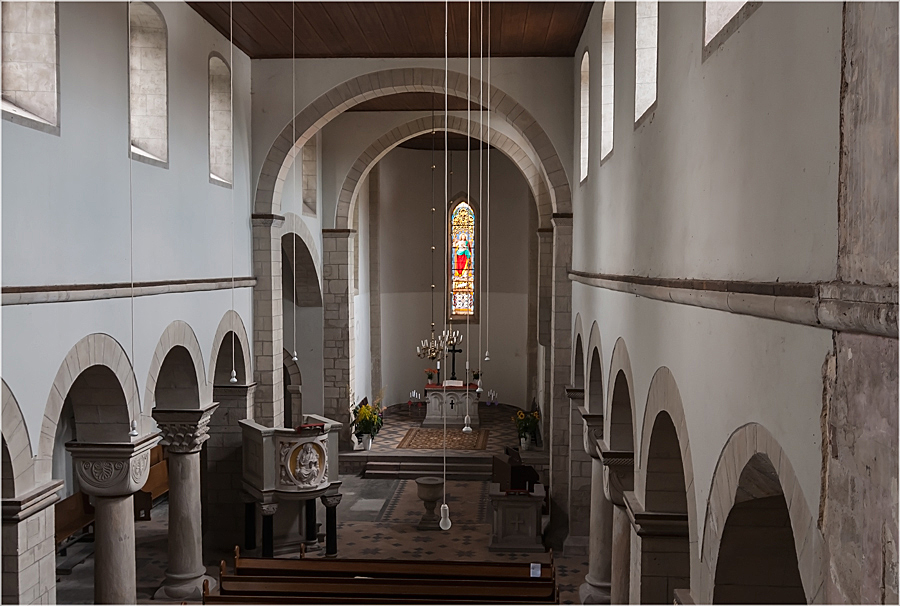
x: 149, y: 108
x: 645, y: 57
x: 585, y: 112
x: 30, y: 64
x: 608, y: 77
x: 716, y: 15
x: 462, y: 261
x: 220, y: 139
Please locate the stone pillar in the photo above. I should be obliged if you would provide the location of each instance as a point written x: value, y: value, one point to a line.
x: 331, y: 502
x: 268, y: 326
x: 338, y: 249
x: 375, y: 277
x: 596, y: 586
x: 250, y: 525
x: 29, y: 549
x: 223, y: 501
x: 560, y: 363
x: 184, y: 432
x: 618, y: 478
x: 544, y: 313
x: 268, y: 529
x: 580, y: 473
x: 112, y: 473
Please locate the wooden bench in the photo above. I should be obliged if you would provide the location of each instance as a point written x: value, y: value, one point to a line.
x: 157, y: 484
x: 72, y: 515
x: 278, y: 581
x: 520, y: 571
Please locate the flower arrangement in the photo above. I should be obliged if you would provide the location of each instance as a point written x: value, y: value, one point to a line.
x: 526, y: 422
x: 430, y: 372
x: 476, y: 374
x: 368, y: 419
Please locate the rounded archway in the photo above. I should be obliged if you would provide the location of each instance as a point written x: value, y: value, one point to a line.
x: 757, y: 561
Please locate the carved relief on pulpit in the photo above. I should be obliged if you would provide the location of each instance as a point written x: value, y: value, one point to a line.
x: 304, y: 464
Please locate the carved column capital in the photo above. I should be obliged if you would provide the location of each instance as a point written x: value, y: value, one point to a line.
x: 268, y: 509
x: 593, y: 432
x: 112, y: 469
x: 618, y: 474
x: 331, y: 500
x: 184, y: 431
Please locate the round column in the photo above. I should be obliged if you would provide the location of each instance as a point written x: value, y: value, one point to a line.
x: 621, y: 556
x: 596, y: 588
x: 115, y: 580
x: 184, y: 432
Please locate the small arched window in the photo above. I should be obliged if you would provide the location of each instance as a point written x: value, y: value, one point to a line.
x: 716, y: 16
x: 149, y: 119
x: 30, y: 64
x: 608, y: 77
x: 462, y: 261
x: 585, y: 112
x: 645, y: 57
x: 220, y: 139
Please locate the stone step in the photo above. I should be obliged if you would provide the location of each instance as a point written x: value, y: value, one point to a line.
x: 477, y: 469
x: 412, y: 475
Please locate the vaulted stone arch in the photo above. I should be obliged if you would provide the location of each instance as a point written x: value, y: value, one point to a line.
x: 231, y: 322
x: 293, y: 224
x: 578, y: 370
x: 619, y: 362
x: 516, y: 149
x: 388, y: 82
x: 97, y: 349
x: 18, y: 446
x: 177, y: 334
x: 746, y: 444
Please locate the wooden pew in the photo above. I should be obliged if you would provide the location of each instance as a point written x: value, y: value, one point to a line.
x: 157, y: 484
x: 73, y: 514
x: 520, y: 571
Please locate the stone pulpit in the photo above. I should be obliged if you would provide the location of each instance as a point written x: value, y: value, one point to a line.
x: 453, y: 401
x: 285, y: 464
x: 516, y: 521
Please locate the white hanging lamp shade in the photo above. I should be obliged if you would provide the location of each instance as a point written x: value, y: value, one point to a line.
x: 445, y: 517
x: 233, y: 378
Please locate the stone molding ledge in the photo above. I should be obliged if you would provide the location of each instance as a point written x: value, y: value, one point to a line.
x: 575, y: 393
x: 653, y: 523
x: 593, y: 432
x: 184, y: 431
x: 112, y: 469
x: 837, y: 306
x: 60, y: 293
x: 21, y: 508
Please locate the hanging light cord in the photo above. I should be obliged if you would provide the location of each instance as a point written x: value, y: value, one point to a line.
x: 233, y: 378
x: 480, y: 160
x: 433, y: 208
x: 133, y: 431
x: 487, y: 268
x: 446, y: 234
x: 469, y: 192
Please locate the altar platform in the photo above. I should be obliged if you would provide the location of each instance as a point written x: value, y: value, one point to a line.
x: 385, y: 460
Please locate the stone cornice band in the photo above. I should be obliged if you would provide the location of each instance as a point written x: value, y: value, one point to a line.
x: 59, y: 293
x: 829, y: 305
x: 23, y: 507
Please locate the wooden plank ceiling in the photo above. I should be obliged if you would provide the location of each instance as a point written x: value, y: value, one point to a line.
x: 397, y: 29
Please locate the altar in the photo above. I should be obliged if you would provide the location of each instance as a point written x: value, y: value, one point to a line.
x: 454, y: 399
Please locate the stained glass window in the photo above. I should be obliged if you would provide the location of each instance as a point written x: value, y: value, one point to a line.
x: 462, y: 260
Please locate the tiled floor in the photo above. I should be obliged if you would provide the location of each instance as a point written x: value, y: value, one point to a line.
x: 376, y: 519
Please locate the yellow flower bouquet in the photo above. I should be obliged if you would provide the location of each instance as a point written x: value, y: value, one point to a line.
x: 526, y: 422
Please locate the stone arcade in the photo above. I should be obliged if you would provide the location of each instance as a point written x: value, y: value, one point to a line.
x: 679, y: 245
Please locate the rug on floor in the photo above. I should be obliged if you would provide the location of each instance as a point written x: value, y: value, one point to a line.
x: 417, y: 437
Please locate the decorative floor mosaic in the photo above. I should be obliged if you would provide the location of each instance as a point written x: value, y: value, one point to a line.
x: 419, y: 438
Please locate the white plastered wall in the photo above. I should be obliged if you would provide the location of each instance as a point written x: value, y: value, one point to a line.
x: 732, y: 177
x: 66, y: 204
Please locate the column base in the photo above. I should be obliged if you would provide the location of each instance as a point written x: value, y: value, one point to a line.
x: 594, y: 593
x: 182, y: 590
x: 576, y: 545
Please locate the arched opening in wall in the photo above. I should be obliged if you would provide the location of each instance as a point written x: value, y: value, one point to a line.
x: 595, y: 387
x: 9, y: 478
x: 62, y: 458
x: 665, y: 556
x: 31, y: 62
x: 293, y: 396
x: 230, y: 352
x: 303, y: 324
x: 645, y: 57
x: 608, y: 77
x: 757, y: 560
x: 148, y: 81
x: 221, y: 169
x: 621, y: 480
x: 585, y: 111
x: 578, y: 381
x: 176, y: 385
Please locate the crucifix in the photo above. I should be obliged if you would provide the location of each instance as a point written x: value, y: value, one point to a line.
x: 451, y: 340
x: 451, y: 349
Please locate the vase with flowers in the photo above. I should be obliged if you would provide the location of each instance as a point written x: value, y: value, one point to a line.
x: 367, y: 421
x: 526, y: 425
